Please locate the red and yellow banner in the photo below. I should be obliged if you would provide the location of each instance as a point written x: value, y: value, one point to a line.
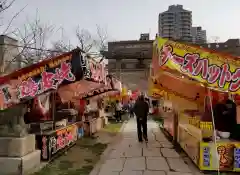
x: 211, y: 68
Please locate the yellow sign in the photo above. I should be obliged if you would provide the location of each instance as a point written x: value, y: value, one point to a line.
x: 124, y: 91
x: 228, y: 153
x: 216, y: 70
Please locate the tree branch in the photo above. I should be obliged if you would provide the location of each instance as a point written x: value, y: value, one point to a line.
x: 12, y: 19
x: 34, y: 35
x: 4, y: 5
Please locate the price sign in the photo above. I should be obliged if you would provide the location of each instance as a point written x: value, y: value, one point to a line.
x: 206, y: 156
x: 237, y: 157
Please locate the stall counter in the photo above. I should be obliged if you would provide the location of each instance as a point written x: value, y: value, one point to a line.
x: 229, y: 155
x: 189, y: 138
x: 52, y: 142
x: 204, y: 154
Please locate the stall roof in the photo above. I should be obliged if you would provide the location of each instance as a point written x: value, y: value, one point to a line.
x: 179, y: 86
x: 106, y: 93
x: 78, y: 89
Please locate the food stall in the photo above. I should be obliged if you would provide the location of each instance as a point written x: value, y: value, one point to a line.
x: 89, y: 91
x: 193, y: 78
x: 36, y: 86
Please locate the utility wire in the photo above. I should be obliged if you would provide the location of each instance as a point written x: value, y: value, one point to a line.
x: 33, y: 48
x: 44, y: 50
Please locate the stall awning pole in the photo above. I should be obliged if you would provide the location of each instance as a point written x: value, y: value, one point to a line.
x: 54, y: 109
x: 214, y: 129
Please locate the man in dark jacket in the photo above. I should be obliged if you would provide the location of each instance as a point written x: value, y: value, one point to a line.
x: 141, y: 110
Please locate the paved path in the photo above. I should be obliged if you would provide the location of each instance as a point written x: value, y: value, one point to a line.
x: 128, y: 157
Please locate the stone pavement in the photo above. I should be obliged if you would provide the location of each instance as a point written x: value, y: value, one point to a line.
x: 128, y: 157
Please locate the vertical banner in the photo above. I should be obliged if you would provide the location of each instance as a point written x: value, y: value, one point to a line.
x: 93, y: 70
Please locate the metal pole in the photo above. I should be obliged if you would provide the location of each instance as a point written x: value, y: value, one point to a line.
x: 54, y: 109
x: 120, y: 71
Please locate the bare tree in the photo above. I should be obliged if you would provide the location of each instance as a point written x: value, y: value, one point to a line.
x: 4, y: 6
x: 102, y: 36
x: 61, y: 47
x: 90, y: 43
x: 85, y: 39
x: 5, y: 26
x: 32, y: 41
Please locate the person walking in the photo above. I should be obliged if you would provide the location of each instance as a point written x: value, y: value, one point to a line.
x: 141, y: 110
x: 118, y: 111
x: 131, y: 105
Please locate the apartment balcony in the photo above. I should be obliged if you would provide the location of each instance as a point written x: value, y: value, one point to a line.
x: 187, y: 35
x: 168, y: 21
x: 166, y: 14
x: 185, y: 27
x: 186, y: 14
x: 168, y: 17
x: 168, y: 29
x: 168, y: 35
x: 186, y: 22
x: 167, y: 26
x: 170, y: 32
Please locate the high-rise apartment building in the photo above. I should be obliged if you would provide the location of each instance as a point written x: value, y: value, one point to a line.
x: 175, y: 23
x: 199, y: 36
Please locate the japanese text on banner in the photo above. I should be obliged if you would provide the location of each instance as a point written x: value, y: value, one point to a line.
x: 218, y: 71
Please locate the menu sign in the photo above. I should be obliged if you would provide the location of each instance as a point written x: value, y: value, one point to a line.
x: 34, y: 80
x: 51, y: 144
x: 85, y: 67
x: 97, y: 71
x: 93, y: 70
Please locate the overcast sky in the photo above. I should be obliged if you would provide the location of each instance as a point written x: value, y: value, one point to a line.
x: 126, y: 19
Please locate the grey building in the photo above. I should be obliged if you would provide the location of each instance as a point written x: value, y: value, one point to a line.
x: 144, y: 36
x: 199, y: 35
x: 10, y: 58
x: 231, y: 46
x: 129, y: 61
x: 175, y: 23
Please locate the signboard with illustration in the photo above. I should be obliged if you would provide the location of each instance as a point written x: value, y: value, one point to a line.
x: 53, y: 142
x: 217, y: 70
x: 39, y: 78
x: 229, y: 156
x: 93, y: 70
x: 97, y: 71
